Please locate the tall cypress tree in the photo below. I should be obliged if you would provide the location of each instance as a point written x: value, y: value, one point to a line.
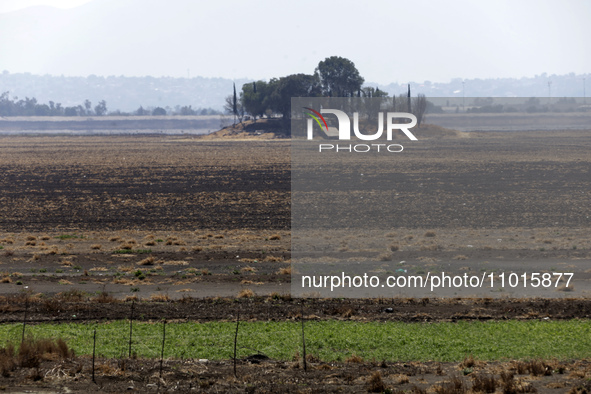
x: 409, y: 109
x: 235, y: 104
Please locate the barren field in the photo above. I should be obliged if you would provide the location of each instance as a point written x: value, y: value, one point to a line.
x: 90, y: 224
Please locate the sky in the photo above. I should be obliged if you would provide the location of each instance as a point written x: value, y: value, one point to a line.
x: 13, y: 5
x: 388, y: 40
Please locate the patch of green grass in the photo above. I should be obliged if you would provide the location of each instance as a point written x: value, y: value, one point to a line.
x: 133, y: 251
x: 329, y: 340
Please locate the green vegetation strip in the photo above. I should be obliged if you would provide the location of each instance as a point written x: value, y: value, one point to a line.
x: 328, y: 340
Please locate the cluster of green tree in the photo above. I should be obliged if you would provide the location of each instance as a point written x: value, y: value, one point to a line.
x: 333, y: 77
x: 30, y: 107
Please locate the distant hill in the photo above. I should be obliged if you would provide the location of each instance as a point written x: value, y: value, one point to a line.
x: 121, y: 93
x: 129, y: 93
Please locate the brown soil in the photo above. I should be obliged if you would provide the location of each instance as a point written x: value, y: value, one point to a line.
x: 203, y: 218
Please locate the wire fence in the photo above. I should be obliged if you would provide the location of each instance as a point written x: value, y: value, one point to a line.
x: 161, y: 339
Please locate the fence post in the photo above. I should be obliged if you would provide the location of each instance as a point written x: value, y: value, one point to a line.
x: 93, y: 353
x: 303, y: 337
x: 162, y: 352
x: 131, y: 326
x: 25, y: 318
x: 236, y: 341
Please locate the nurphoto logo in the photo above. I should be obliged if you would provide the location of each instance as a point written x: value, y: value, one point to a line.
x: 394, y: 122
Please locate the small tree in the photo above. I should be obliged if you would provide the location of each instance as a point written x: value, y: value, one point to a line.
x: 158, y: 111
x: 101, y: 108
x: 420, y: 107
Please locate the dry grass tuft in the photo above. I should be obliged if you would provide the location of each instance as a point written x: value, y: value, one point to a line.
x: 175, y: 262
x: 284, y: 271
x: 246, y: 293
x: 104, y: 298
x: 484, y: 383
x: 73, y: 295
x: 160, y: 298
x: 468, y: 362
x: 375, y: 383
x: 456, y: 385
x: 274, y: 259
x: 125, y: 268
x: 385, y: 257
x: 354, y: 359
x: 147, y: 261
x: 31, y: 353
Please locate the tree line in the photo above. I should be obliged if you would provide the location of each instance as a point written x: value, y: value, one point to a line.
x: 30, y: 107
x: 333, y: 77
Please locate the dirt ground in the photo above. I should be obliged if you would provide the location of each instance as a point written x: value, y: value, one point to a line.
x: 267, y: 376
x: 186, y: 225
